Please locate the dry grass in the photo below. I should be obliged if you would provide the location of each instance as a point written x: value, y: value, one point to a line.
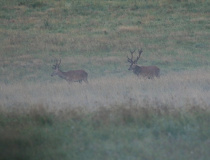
x: 189, y: 88
x: 134, y: 29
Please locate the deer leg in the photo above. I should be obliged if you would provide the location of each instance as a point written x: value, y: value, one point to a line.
x: 69, y: 82
x: 85, y: 80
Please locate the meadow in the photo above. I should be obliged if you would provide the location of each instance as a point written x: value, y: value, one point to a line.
x: 116, y: 115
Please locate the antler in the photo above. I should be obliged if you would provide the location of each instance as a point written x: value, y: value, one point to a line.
x: 137, y: 58
x: 57, y: 64
x: 130, y: 60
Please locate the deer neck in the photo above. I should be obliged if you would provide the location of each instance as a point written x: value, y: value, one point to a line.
x: 61, y: 74
x: 137, y: 70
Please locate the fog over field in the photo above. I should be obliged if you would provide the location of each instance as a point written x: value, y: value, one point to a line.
x: 182, y: 89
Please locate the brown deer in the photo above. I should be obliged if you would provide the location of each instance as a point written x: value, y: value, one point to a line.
x: 144, y: 71
x: 70, y: 76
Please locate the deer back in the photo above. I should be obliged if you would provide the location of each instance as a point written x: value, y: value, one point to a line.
x: 76, y: 75
x: 147, y: 71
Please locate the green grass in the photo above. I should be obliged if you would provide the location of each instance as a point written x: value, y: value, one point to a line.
x: 121, y: 132
x: 115, y: 116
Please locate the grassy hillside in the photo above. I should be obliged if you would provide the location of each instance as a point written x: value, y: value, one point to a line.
x: 117, y: 115
x: 97, y: 36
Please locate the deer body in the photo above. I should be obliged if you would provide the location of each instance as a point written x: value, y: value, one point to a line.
x: 144, y: 71
x: 70, y: 76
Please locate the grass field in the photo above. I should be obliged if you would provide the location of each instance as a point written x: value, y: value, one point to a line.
x: 116, y: 115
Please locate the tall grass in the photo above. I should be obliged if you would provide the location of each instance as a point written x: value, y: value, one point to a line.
x: 176, y: 89
x: 119, y: 132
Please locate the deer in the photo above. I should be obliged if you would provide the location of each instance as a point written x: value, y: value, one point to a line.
x: 142, y: 71
x: 69, y: 76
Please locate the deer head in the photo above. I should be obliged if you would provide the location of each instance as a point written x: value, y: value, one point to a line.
x: 56, y: 67
x: 133, y: 63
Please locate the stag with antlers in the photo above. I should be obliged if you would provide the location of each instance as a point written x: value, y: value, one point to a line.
x: 144, y: 71
x: 70, y: 76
